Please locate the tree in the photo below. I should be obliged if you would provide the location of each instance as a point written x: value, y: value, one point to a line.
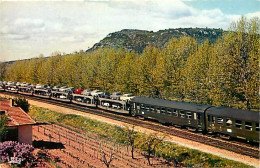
x: 175, y: 56
x: 196, y: 80
x: 150, y: 143
x: 237, y: 70
x: 107, y: 158
x: 131, y: 136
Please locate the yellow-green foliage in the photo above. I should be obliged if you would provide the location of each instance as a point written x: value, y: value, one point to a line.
x: 167, y: 150
x: 224, y: 73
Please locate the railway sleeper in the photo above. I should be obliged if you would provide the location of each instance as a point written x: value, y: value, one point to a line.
x: 192, y: 129
x: 224, y: 136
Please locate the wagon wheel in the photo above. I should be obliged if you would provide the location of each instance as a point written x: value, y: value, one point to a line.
x: 133, y: 113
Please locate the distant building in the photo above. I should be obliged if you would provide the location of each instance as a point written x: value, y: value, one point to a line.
x: 19, y: 122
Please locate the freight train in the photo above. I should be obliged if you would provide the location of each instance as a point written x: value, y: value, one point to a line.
x: 222, y: 121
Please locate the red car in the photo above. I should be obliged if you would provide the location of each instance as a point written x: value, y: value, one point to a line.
x: 78, y: 91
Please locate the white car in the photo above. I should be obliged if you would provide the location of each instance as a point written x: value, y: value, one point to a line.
x: 79, y: 99
x: 10, y: 83
x: 24, y: 84
x: 106, y: 104
x: 126, y: 97
x: 63, y: 88
x: 18, y: 84
x: 39, y: 86
x: 116, y: 106
x: 96, y: 93
x: 93, y: 93
x: 63, y: 97
x: 86, y: 92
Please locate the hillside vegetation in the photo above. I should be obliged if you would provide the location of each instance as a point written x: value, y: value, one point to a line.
x: 138, y: 40
x: 222, y: 73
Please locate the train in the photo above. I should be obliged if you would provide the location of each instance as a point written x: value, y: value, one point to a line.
x: 222, y: 121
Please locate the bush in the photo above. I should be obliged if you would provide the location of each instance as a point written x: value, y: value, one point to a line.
x: 23, y: 103
x: 3, y: 129
x: 18, y: 150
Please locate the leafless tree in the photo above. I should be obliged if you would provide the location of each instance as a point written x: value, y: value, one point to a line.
x: 131, y: 136
x: 107, y: 158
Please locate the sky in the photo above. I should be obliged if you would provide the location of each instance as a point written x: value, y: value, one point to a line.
x: 31, y: 28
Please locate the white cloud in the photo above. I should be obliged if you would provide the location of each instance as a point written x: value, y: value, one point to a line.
x: 16, y: 37
x: 255, y: 14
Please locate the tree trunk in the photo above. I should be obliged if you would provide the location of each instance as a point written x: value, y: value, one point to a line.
x: 132, y: 151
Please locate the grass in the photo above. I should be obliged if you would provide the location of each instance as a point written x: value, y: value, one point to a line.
x: 170, y: 151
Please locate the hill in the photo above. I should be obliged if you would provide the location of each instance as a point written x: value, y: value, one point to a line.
x: 137, y: 40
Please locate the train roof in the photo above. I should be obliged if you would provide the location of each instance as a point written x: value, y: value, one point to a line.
x: 171, y: 104
x: 234, y: 113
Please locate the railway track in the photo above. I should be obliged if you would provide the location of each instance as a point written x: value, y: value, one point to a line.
x: 237, y: 147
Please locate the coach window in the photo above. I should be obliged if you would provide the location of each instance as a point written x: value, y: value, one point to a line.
x: 175, y: 113
x: 220, y: 120
x: 228, y: 122
x: 213, y: 119
x: 138, y: 106
x: 158, y: 110
x: 248, y: 126
x: 198, y: 116
x: 188, y: 114
x: 152, y: 109
x: 163, y: 111
x: 182, y: 115
x: 257, y: 127
x: 147, y: 107
x: 169, y: 112
x: 239, y: 124
x: 195, y: 116
x: 142, y: 106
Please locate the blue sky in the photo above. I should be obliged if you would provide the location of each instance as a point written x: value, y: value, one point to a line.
x: 240, y: 7
x: 28, y: 29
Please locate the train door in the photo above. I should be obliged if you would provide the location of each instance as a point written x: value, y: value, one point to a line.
x: 199, y: 119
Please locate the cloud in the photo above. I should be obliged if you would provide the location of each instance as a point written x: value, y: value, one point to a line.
x: 23, y: 26
x: 28, y: 22
x: 16, y: 37
x: 251, y: 15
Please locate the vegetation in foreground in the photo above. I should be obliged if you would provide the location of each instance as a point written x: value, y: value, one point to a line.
x: 22, y: 152
x: 172, y: 152
x: 222, y: 73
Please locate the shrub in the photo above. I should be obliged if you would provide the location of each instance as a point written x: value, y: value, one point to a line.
x: 15, y: 149
x: 3, y: 129
x: 23, y: 103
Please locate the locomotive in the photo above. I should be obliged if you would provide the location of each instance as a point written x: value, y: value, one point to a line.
x: 223, y: 121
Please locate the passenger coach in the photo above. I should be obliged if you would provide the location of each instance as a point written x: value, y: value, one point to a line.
x: 190, y: 115
x: 237, y: 123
